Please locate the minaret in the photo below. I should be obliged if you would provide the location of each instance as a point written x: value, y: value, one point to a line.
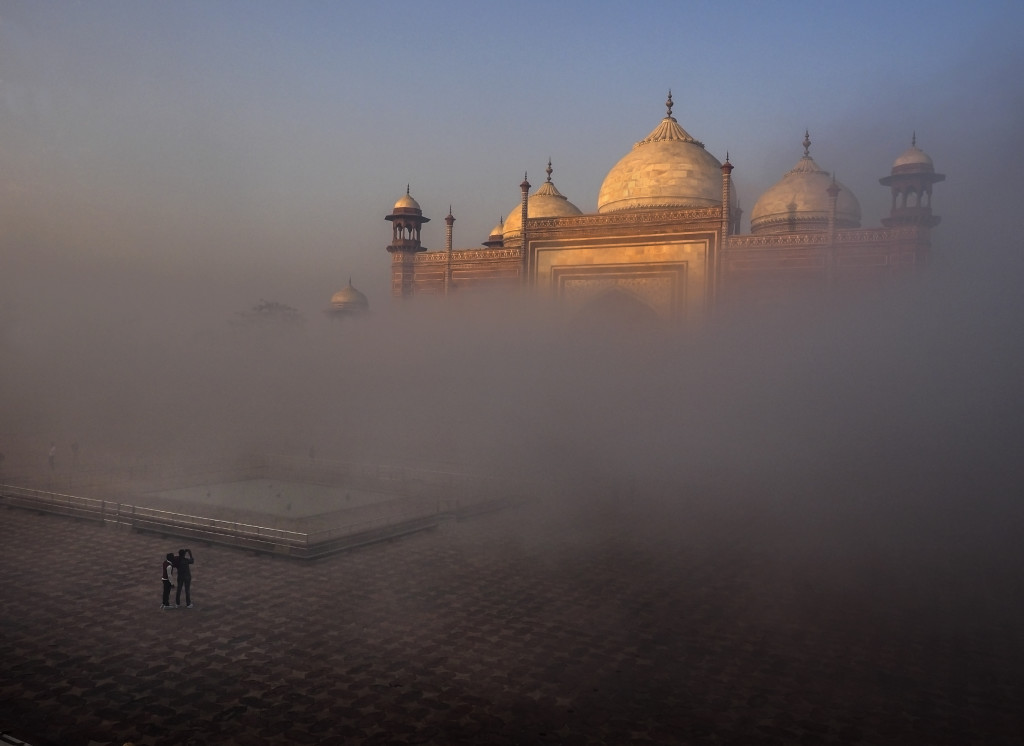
x: 449, y: 221
x: 716, y: 260
x: 406, y: 221
x: 726, y: 198
x: 524, y: 187
x: 833, y: 201
x: 911, y: 179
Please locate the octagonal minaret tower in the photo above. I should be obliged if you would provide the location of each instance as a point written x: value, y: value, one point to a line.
x: 406, y: 221
x: 911, y: 179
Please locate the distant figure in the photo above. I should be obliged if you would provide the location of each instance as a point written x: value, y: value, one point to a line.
x: 53, y: 455
x: 168, y: 569
x: 184, y: 577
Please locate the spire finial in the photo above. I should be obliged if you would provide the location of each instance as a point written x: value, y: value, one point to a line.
x: 549, y: 169
x: 407, y: 189
x: 668, y: 104
x: 807, y: 144
x: 913, y: 139
x: 727, y: 156
x: 350, y: 280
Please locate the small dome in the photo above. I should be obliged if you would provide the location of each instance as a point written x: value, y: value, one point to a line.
x: 495, y: 239
x: 913, y: 159
x: 546, y: 202
x: 668, y: 168
x: 406, y: 202
x: 799, y: 202
x: 349, y: 299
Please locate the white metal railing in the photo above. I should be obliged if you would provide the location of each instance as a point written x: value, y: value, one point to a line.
x: 138, y: 516
x: 422, y: 502
x: 298, y: 543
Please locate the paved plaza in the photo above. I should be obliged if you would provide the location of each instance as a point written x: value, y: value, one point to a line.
x: 601, y: 623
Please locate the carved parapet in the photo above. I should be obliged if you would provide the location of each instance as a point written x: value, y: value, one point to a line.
x: 876, y: 236
x: 778, y: 240
x: 469, y: 255
x: 629, y: 217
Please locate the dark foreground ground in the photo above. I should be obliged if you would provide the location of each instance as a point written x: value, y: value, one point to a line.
x: 611, y: 624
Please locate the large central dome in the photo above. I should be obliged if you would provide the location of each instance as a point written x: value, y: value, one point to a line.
x: 668, y: 168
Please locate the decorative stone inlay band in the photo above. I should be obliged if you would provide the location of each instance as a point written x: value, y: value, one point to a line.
x: 820, y: 238
x: 464, y: 255
x: 628, y: 217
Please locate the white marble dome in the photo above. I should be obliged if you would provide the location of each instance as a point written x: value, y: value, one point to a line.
x: 799, y: 202
x: 546, y: 202
x: 668, y: 168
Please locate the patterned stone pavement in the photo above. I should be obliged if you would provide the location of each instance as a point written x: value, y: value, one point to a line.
x: 591, y: 625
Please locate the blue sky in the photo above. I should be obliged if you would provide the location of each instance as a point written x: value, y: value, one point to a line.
x: 256, y: 146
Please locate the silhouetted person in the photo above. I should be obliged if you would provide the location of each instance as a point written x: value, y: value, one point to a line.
x: 168, y: 568
x: 184, y: 577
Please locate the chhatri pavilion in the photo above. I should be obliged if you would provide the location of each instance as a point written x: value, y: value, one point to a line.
x: 665, y: 241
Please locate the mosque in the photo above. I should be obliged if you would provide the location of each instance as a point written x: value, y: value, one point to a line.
x: 665, y: 244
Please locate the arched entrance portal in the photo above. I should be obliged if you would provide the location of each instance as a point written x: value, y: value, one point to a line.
x: 616, y: 308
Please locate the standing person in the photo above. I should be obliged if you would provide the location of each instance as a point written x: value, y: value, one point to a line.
x: 184, y: 577
x: 166, y: 578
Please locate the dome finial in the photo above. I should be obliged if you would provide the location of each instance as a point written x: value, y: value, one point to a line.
x: 807, y: 144
x: 549, y: 169
x: 407, y: 189
x: 913, y: 139
x: 727, y: 156
x: 668, y: 104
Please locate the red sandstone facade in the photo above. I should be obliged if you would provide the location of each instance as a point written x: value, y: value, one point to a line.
x: 665, y: 242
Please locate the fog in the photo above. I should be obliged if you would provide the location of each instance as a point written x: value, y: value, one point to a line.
x: 908, y: 384
x: 864, y: 444
x: 871, y: 437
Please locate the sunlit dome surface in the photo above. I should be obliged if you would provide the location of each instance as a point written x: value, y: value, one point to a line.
x: 407, y: 202
x: 913, y: 159
x: 546, y: 202
x: 800, y: 201
x: 668, y: 168
x: 349, y: 299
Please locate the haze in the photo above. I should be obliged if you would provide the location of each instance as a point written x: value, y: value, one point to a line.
x: 164, y: 167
